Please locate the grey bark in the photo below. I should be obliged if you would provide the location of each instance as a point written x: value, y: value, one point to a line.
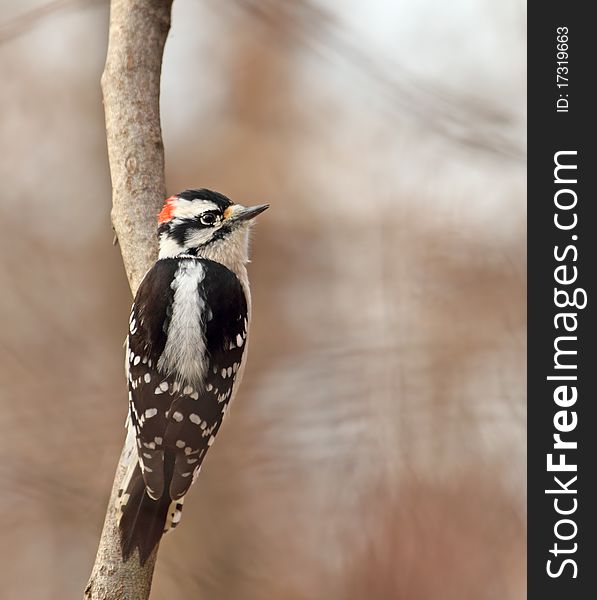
x: 131, y: 91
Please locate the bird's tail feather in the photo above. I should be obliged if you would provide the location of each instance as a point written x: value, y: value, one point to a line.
x: 143, y: 520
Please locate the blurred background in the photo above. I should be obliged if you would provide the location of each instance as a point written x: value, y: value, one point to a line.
x: 376, y: 448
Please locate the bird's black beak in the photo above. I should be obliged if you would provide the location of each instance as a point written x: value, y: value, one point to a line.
x: 237, y: 212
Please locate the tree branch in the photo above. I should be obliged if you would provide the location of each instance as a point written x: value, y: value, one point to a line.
x: 131, y: 90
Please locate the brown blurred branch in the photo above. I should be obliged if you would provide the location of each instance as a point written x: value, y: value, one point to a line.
x: 28, y: 20
x: 461, y: 115
x: 131, y: 90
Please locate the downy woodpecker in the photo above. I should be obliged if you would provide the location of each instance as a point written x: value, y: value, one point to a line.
x: 185, y: 355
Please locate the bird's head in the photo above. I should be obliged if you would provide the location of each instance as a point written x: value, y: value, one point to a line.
x: 207, y: 224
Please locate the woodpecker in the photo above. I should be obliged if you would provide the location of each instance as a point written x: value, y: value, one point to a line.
x: 185, y: 356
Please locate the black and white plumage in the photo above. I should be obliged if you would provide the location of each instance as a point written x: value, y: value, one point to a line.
x: 185, y: 357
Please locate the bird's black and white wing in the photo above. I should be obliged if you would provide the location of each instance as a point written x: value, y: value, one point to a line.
x: 187, y: 335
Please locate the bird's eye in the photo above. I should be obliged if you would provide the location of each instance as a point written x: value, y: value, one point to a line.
x: 208, y: 219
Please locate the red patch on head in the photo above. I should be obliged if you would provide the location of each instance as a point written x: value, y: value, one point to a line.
x: 166, y: 212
